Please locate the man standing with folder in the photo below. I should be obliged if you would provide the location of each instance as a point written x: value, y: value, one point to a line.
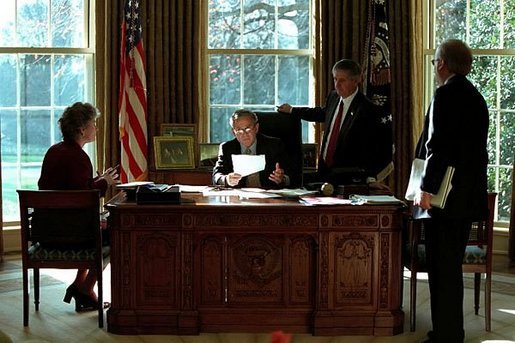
x: 455, y: 134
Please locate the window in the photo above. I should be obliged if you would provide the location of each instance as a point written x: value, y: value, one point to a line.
x: 260, y: 55
x: 46, y: 64
x: 488, y: 27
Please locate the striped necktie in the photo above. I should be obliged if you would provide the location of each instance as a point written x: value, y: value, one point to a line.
x: 333, y: 139
x: 253, y: 179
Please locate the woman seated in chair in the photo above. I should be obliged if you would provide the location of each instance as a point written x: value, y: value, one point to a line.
x: 66, y: 166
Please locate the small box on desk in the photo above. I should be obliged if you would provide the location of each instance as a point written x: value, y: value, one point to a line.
x: 347, y: 190
x: 158, y: 194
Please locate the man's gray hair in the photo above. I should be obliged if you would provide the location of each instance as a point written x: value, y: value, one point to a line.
x: 242, y: 113
x: 456, y: 55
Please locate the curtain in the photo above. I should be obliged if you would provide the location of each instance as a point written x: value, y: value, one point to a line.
x: 340, y: 32
x: 171, y: 38
x: 407, y: 87
x: 174, y: 40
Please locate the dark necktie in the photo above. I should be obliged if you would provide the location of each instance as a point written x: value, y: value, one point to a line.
x: 333, y: 139
x: 252, y: 179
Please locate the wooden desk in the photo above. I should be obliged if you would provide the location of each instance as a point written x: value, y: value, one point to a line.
x: 228, y: 265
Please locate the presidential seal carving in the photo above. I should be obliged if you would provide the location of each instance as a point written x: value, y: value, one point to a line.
x: 256, y: 260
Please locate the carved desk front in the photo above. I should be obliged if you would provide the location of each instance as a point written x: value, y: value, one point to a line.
x: 221, y: 264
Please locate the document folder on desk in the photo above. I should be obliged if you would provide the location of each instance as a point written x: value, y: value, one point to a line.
x: 158, y: 194
x: 415, y: 180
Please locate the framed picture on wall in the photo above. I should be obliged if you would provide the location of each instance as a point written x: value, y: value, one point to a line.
x: 309, y: 154
x: 208, y: 155
x: 174, y: 152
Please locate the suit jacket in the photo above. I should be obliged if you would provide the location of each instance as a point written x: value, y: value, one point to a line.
x: 459, y: 121
x: 365, y: 139
x: 271, y: 147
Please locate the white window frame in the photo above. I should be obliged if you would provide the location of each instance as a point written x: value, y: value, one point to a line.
x: 89, y: 52
x: 262, y: 52
x: 429, y: 83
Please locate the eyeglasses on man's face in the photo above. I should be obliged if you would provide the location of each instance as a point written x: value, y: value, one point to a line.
x: 245, y: 130
x: 435, y: 60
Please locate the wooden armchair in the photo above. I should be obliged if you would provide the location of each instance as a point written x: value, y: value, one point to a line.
x: 61, y: 229
x: 477, y: 260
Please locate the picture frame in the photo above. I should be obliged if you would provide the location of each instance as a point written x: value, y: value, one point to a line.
x: 174, y: 152
x: 208, y: 155
x: 179, y: 130
x: 309, y: 156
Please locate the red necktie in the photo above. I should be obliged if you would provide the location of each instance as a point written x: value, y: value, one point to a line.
x: 331, y: 145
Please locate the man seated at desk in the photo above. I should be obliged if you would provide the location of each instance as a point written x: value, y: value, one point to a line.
x: 245, y: 127
x: 357, y: 134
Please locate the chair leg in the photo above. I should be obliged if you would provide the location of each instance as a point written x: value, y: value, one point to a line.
x: 36, y: 288
x: 25, y: 277
x: 488, y: 301
x: 413, y: 301
x: 100, y: 298
x: 477, y: 288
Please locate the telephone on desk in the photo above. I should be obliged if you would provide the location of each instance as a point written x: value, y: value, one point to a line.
x: 158, y: 194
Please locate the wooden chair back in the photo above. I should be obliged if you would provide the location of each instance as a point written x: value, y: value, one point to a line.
x: 60, y: 229
x: 477, y: 259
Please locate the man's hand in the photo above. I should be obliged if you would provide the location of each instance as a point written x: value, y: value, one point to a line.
x: 285, y: 108
x: 233, y: 179
x: 423, y: 200
x: 277, y: 175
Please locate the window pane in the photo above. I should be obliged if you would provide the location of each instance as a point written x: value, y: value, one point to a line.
x: 504, y: 196
x: 485, y: 24
x: 225, y: 79
x: 219, y: 124
x: 450, y: 20
x: 293, y: 24
x: 7, y: 28
x: 9, y: 122
x: 259, y: 24
x: 35, y: 80
x: 8, y: 77
x: 484, y: 69
x: 259, y: 84
x: 35, y: 135
x: 10, y: 176
x: 492, y: 138
x: 508, y: 83
x: 33, y: 25
x: 67, y: 23
x: 509, y: 24
x: 69, y: 79
x: 507, y: 142
x: 224, y: 24
x: 293, y: 80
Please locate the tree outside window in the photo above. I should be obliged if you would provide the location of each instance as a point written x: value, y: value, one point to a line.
x: 45, y: 65
x: 259, y: 55
x: 488, y: 27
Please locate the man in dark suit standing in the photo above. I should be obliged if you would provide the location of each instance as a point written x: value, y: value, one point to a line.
x: 245, y: 127
x: 455, y: 134
x: 356, y: 135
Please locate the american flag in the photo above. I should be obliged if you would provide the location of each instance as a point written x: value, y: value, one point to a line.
x: 132, y: 104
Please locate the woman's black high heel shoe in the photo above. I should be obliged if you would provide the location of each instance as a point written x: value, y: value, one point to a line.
x: 71, y: 292
x: 84, y: 302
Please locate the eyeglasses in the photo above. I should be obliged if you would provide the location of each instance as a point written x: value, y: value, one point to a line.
x: 246, y: 130
x: 434, y: 60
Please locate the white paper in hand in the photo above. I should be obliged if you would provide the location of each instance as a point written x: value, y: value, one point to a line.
x: 248, y: 164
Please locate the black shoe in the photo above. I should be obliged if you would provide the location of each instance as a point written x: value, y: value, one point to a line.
x: 84, y: 302
x: 71, y: 292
